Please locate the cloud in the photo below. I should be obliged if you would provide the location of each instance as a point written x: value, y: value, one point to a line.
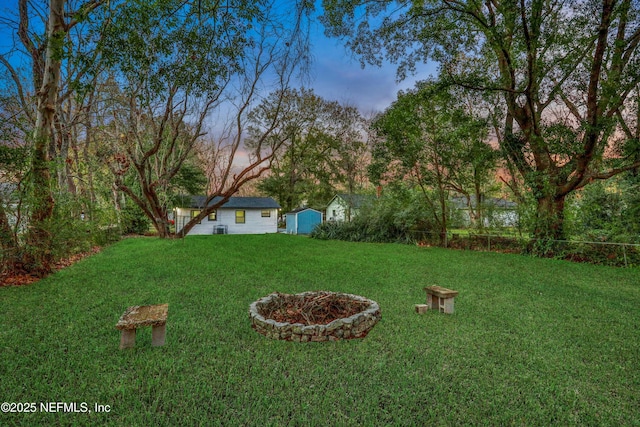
x: 337, y: 76
x: 368, y: 89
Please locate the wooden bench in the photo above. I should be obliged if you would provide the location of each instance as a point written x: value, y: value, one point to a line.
x: 439, y: 298
x: 139, y: 316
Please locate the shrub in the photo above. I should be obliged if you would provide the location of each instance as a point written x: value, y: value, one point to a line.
x: 608, y: 211
x: 133, y: 220
x: 391, y: 219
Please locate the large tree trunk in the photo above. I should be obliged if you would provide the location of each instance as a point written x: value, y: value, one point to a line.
x: 38, y: 256
x: 549, y: 225
x: 161, y: 223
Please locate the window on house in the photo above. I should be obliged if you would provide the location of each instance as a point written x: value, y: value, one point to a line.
x: 266, y: 213
x: 213, y: 216
x: 240, y: 217
x: 195, y: 214
x: 334, y: 213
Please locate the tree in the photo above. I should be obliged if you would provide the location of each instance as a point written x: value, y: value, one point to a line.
x: 609, y: 210
x: 14, y: 158
x: 179, y: 62
x: 47, y: 53
x: 565, y: 72
x: 427, y: 138
x: 324, y: 150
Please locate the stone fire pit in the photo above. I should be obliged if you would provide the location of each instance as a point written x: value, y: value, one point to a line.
x: 314, y: 316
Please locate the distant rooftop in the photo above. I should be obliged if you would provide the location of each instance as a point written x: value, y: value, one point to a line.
x: 355, y: 200
x: 236, y: 202
x: 303, y: 209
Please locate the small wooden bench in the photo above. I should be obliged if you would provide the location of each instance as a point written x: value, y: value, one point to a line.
x: 439, y: 298
x: 139, y: 316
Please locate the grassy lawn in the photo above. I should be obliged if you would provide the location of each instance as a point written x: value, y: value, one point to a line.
x: 532, y: 342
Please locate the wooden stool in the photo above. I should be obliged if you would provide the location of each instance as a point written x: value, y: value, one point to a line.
x: 139, y: 316
x: 439, y: 298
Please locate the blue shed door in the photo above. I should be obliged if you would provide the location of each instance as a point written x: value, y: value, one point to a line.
x: 307, y: 221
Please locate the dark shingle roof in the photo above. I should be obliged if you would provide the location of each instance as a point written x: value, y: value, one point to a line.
x: 237, y: 202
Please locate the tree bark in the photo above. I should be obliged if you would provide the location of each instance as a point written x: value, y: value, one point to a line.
x: 38, y: 255
x: 549, y: 225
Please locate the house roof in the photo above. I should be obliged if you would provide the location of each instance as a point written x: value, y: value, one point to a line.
x: 236, y: 202
x: 354, y: 200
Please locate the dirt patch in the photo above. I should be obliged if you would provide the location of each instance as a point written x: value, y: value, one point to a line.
x: 21, y: 278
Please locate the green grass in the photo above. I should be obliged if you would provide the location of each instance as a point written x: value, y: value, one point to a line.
x: 532, y: 342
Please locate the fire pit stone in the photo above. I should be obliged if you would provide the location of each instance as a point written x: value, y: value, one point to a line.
x: 320, y: 310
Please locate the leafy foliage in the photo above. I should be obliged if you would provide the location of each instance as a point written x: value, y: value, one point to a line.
x: 162, y: 44
x: 566, y: 72
x: 608, y: 211
x: 324, y: 149
x: 429, y: 139
x: 392, y: 219
x: 73, y: 231
x: 133, y: 220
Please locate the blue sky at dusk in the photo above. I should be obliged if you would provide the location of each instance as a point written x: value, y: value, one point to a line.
x: 335, y: 75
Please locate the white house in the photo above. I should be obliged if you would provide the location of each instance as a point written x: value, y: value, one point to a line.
x: 238, y: 215
x: 343, y: 207
x: 496, y: 212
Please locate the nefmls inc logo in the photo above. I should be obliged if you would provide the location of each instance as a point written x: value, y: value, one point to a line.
x: 77, y: 407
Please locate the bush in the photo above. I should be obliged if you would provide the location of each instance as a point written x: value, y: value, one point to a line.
x: 134, y: 221
x: 67, y: 234
x: 391, y: 219
x: 607, y: 211
x: 362, y: 230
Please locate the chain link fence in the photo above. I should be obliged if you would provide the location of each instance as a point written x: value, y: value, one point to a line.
x: 604, y: 253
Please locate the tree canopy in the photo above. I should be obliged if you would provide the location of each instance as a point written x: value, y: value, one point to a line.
x: 567, y: 73
x: 324, y: 150
x: 428, y: 138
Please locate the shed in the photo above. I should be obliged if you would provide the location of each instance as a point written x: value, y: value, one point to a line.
x: 303, y: 220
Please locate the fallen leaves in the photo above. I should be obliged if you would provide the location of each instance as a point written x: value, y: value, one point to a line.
x: 22, y: 279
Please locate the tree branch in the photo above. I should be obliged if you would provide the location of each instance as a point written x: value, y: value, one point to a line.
x: 16, y: 79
